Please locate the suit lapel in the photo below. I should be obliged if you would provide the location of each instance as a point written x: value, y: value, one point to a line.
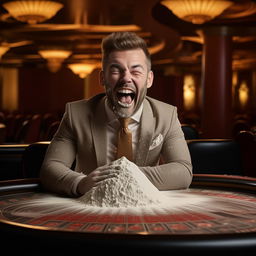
x: 99, y: 129
x: 146, y: 134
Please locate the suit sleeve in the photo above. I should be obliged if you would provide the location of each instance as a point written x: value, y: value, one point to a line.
x: 56, y: 174
x: 175, y: 171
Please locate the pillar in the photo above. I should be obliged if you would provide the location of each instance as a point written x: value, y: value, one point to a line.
x: 10, y: 89
x: 217, y: 84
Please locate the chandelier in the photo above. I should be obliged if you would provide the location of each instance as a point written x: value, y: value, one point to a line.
x: 32, y: 12
x: 197, y: 11
x: 54, y: 58
x: 82, y: 69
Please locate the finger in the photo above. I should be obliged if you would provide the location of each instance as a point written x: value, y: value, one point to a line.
x: 95, y: 173
x: 97, y: 184
x: 109, y: 167
x: 108, y: 172
x: 101, y: 178
x: 104, y: 177
x: 116, y: 167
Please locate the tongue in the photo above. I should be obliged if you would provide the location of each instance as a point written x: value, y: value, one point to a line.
x: 126, y: 99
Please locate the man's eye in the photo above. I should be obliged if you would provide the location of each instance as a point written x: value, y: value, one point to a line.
x: 115, y: 71
x: 136, y: 72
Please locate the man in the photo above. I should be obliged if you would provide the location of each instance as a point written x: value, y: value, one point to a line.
x: 89, y: 128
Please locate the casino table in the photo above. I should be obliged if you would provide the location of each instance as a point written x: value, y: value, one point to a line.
x: 216, y: 214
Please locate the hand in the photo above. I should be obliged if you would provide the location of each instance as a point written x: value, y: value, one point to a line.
x: 97, y: 176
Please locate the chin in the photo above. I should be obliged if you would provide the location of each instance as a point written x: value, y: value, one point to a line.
x: 123, y: 112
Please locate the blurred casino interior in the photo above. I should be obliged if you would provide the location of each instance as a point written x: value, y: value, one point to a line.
x: 206, y: 66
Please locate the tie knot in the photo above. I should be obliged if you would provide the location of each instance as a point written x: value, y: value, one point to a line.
x: 124, y: 122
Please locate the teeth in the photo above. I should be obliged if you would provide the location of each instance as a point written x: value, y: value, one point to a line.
x: 125, y: 91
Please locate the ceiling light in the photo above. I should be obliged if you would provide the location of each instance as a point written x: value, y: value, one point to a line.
x: 54, y: 58
x: 54, y: 54
x: 82, y: 69
x: 32, y: 12
x: 197, y: 11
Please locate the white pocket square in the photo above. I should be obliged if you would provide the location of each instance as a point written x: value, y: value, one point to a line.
x: 156, y: 142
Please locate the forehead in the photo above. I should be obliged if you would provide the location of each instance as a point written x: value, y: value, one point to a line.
x: 135, y: 56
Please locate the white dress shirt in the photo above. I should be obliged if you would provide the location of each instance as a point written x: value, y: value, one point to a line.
x: 113, y: 128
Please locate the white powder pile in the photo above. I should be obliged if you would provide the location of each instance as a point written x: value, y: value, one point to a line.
x: 130, y: 188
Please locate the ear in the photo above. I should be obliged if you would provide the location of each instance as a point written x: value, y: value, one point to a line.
x: 150, y: 79
x: 102, y: 80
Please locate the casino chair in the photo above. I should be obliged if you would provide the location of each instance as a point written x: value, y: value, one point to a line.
x: 215, y: 156
x: 247, y: 142
x: 52, y: 129
x: 29, y: 131
x: 2, y: 133
x: 190, y: 132
x: 33, y: 157
x: 11, y: 156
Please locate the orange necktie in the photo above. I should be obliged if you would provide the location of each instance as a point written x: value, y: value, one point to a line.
x: 124, y: 143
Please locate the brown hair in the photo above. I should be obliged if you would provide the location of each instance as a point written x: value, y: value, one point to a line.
x: 120, y: 41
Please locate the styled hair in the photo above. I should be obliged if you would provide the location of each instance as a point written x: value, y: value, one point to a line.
x: 121, y: 41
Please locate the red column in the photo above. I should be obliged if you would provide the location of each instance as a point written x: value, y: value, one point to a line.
x: 217, y: 84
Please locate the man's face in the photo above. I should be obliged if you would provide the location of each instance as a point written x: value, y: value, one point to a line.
x: 126, y: 78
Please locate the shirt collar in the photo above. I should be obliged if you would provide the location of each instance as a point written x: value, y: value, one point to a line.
x: 111, y: 116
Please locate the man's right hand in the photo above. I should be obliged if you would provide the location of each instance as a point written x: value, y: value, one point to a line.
x: 95, y: 177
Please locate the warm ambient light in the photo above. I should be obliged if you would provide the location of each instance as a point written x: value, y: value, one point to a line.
x: 54, y: 58
x: 189, y: 93
x: 197, y: 11
x: 32, y: 12
x: 3, y: 50
x: 243, y: 92
x: 82, y: 69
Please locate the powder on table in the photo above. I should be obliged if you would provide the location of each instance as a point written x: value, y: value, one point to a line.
x: 130, y: 188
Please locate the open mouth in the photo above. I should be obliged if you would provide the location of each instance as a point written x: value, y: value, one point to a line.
x: 125, y: 97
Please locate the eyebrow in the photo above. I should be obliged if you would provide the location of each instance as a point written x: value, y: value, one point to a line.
x: 138, y: 66
x: 116, y: 65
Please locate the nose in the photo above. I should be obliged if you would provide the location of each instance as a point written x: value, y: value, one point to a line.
x: 127, y: 77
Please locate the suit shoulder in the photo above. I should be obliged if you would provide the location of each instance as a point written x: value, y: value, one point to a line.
x: 89, y: 103
x: 160, y: 106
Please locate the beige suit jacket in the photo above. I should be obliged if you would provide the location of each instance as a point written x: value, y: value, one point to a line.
x: 82, y: 136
